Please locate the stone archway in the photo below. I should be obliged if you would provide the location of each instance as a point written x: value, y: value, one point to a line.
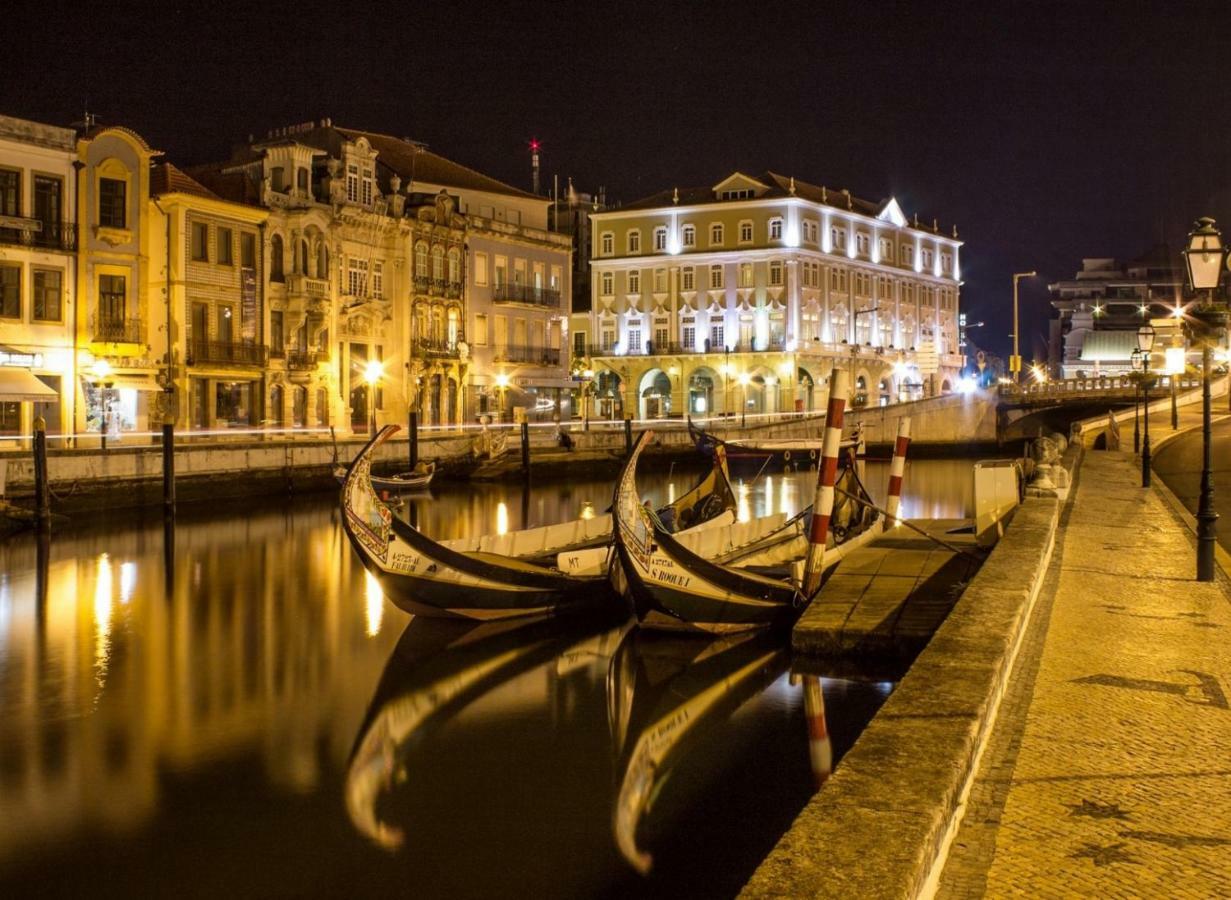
x: 702, y: 384
x: 654, y: 395
x: 807, y: 388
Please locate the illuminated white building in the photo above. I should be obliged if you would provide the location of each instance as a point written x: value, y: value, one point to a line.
x: 745, y: 295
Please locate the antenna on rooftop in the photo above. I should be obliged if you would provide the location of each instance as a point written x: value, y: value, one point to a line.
x: 534, y: 165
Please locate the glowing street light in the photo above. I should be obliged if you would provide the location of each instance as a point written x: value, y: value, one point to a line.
x: 372, y: 373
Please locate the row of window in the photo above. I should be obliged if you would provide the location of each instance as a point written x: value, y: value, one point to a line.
x: 48, y: 196
x: 358, y: 283
x: 223, y: 250
x: 716, y: 280
x: 531, y: 333
x: 435, y: 270
x: 46, y: 293
x: 811, y: 231
x: 499, y: 273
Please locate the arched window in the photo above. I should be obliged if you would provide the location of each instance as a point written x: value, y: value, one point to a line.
x: 322, y: 259
x: 690, y: 236
x: 453, y: 330
x: 455, y: 267
x: 299, y: 407
x: 275, y: 258
x: 438, y: 263
x: 275, y: 405
x: 301, y: 261
x: 421, y: 261
x: 322, y: 407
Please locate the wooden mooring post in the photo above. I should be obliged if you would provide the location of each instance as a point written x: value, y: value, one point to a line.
x: 525, y: 449
x: 414, y: 439
x: 168, y: 466
x: 628, y: 435
x: 42, y: 490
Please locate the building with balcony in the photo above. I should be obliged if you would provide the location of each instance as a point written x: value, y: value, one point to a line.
x: 38, y: 263
x: 372, y: 244
x: 216, y: 319
x: 746, y: 294
x: 118, y: 326
x: 1096, y: 314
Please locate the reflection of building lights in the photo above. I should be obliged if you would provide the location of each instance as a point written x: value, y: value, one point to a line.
x: 744, y: 511
x: 671, y: 492
x: 374, y: 599
x: 128, y: 581
x: 1178, y: 312
x: 102, y: 618
x: 502, y: 518
x: 587, y: 510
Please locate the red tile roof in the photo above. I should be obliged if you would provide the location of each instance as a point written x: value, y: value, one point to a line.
x: 165, y: 178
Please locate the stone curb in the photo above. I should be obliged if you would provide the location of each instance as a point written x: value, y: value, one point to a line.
x: 882, y: 824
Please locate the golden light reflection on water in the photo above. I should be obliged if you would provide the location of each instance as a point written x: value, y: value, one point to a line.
x: 128, y: 581
x: 375, y: 603
x: 502, y: 518
x: 744, y: 510
x: 103, y: 589
x: 587, y: 510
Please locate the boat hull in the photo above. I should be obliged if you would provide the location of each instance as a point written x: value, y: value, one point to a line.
x: 425, y: 578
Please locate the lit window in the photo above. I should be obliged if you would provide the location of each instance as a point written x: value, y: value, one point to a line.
x: 715, y: 277
x: 716, y: 235
x: 634, y: 281
x: 608, y: 284
x: 352, y: 184
x: 745, y: 232
x: 607, y: 244
x: 775, y: 273
x: 660, y: 238
x: 634, y: 241
x: 775, y: 229
x: 690, y: 236
x: 688, y: 278
x: 745, y: 275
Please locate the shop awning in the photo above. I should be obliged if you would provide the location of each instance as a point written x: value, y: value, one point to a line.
x: 135, y: 383
x: 20, y: 384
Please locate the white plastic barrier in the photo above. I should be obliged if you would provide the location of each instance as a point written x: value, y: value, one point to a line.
x: 995, y: 495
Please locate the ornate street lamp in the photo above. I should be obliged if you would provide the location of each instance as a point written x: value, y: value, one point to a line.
x: 372, y: 373
x: 1145, y: 343
x: 1205, y: 256
x: 1136, y: 360
x: 101, y: 372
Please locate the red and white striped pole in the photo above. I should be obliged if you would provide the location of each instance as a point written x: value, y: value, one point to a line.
x: 820, y: 748
x: 827, y: 477
x: 897, y: 468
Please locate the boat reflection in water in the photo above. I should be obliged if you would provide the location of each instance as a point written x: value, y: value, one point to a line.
x: 666, y: 692
x: 438, y: 667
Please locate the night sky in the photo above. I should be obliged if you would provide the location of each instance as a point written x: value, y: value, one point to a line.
x: 1045, y: 132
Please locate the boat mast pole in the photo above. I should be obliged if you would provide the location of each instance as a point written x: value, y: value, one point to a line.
x: 827, y: 476
x: 897, y: 468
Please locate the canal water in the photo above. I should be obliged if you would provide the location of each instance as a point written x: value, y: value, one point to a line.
x: 232, y: 708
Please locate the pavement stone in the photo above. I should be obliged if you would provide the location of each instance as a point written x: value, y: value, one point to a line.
x: 1108, y: 772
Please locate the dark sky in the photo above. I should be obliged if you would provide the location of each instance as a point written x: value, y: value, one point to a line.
x: 1045, y: 132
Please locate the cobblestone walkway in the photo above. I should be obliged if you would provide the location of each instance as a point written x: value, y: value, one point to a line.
x: 1109, y: 770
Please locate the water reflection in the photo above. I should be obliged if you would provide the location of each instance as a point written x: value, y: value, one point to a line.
x: 665, y: 693
x: 165, y: 687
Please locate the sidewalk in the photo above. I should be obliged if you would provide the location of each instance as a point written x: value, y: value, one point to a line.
x: 1108, y: 772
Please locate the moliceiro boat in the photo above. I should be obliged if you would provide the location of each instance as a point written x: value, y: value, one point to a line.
x: 416, y: 479
x: 747, y: 574
x: 496, y: 576
x: 757, y: 452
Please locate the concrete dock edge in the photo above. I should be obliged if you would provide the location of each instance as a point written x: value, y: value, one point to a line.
x: 882, y: 823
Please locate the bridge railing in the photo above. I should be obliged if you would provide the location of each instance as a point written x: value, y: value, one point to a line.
x: 1093, y: 386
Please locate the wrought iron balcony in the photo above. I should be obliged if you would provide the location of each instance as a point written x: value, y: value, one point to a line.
x: 304, y: 359
x: 40, y: 234
x: 539, y: 356
x: 116, y: 331
x: 439, y: 348
x: 525, y: 293
x: 235, y: 353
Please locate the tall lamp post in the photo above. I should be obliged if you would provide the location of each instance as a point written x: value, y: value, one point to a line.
x: 1015, y: 361
x: 371, y: 374
x: 1205, y: 256
x: 101, y: 372
x: 1145, y: 343
x: 1174, y: 358
x: 1136, y: 359
x: 743, y: 414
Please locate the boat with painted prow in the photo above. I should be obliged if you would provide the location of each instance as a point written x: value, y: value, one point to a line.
x: 417, y: 479
x: 497, y: 576
x: 759, y: 452
x: 745, y: 575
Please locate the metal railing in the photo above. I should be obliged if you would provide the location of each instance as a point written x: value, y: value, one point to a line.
x: 43, y: 235
x: 525, y: 293
x: 116, y: 331
x: 239, y: 353
x: 304, y: 359
x: 435, y: 347
x: 542, y: 356
x: 1102, y: 385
